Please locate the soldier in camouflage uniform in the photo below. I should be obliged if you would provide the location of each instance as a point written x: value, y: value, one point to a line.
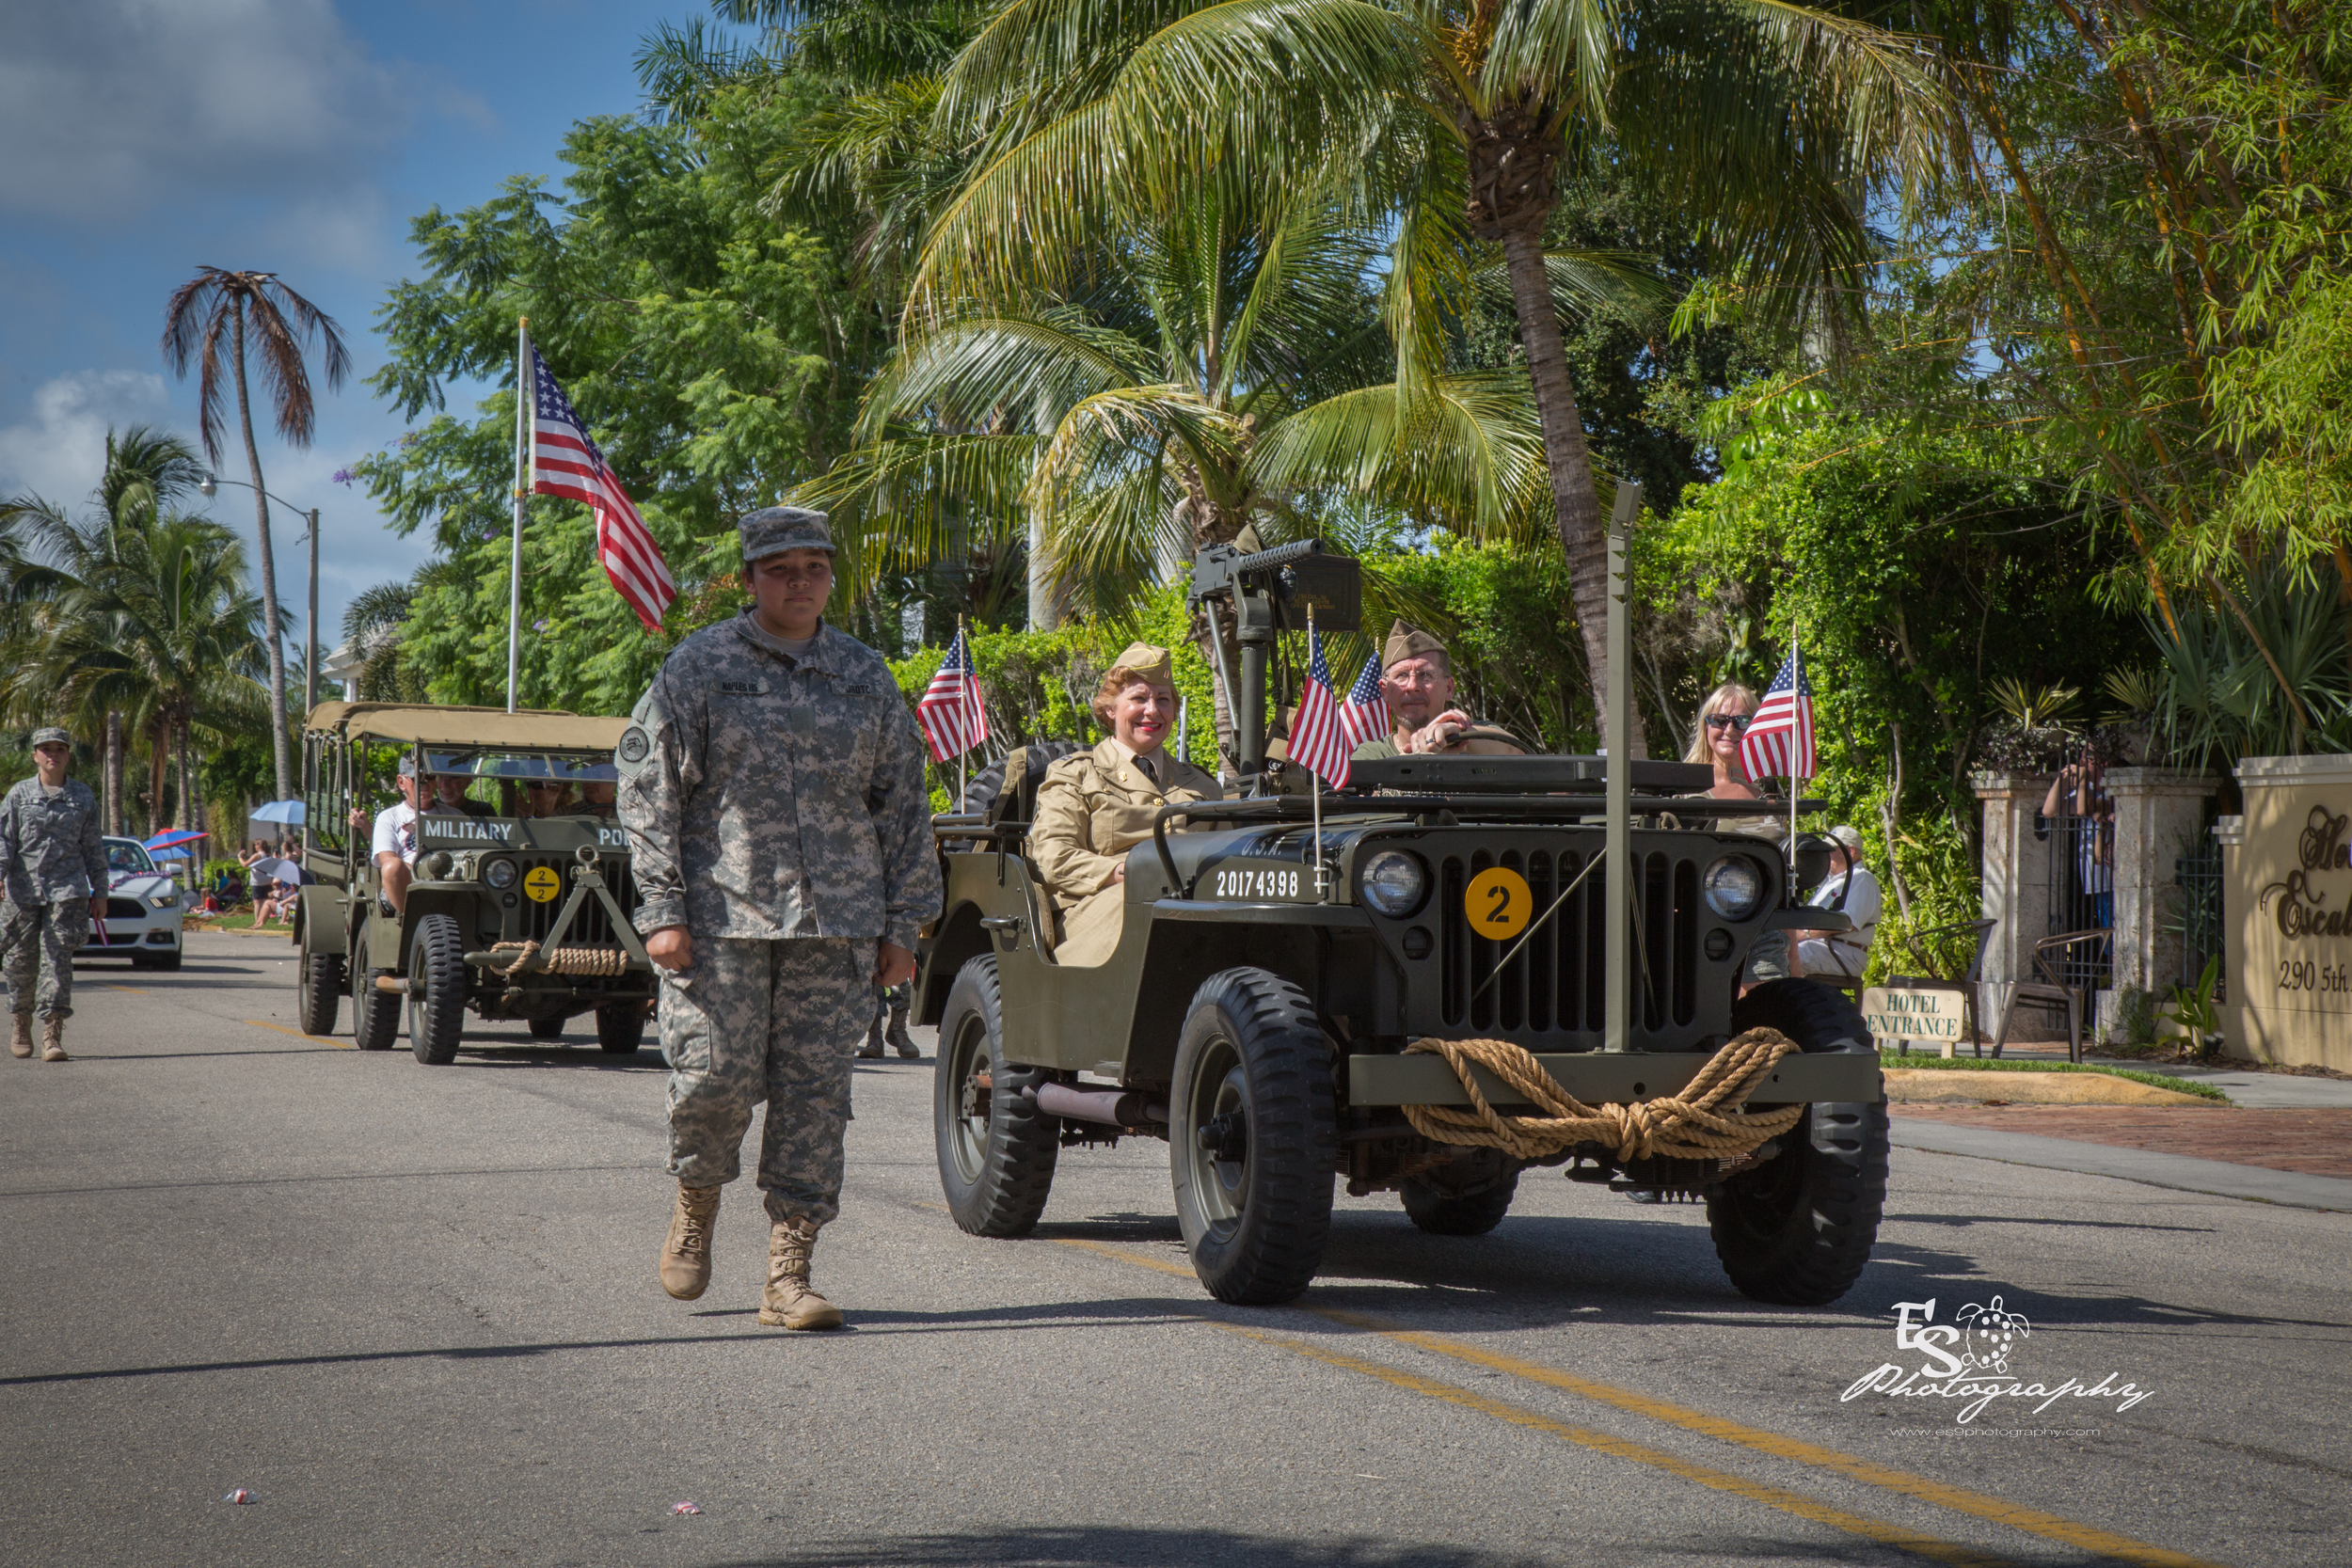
x: 53, y: 860
x: 771, y: 782
x: 894, y: 1003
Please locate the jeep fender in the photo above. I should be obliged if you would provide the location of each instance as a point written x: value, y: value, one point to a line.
x: 323, y: 916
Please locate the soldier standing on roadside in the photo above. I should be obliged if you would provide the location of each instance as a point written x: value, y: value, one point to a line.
x: 54, y: 861
x: 772, y: 782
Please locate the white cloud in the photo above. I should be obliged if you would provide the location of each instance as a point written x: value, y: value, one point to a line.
x: 106, y: 105
x: 60, y: 451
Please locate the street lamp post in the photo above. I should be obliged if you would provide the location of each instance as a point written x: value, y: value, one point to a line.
x: 208, y: 487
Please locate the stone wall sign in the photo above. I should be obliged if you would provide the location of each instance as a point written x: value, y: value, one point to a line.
x: 2288, y: 892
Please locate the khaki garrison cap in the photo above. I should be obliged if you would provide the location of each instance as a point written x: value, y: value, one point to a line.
x: 1143, y: 661
x: 775, y: 529
x: 1409, y: 643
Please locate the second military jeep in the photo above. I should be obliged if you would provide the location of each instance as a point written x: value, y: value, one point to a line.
x: 1268, y: 979
x: 508, y: 916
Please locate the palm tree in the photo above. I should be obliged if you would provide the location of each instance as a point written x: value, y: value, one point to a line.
x: 1770, y: 122
x: 145, y: 470
x: 1215, y: 362
x: 157, y: 628
x: 215, y: 302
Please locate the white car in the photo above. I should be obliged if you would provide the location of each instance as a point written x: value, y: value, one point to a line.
x: 141, y: 910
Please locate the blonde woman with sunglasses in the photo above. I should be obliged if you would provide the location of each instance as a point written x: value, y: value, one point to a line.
x: 1716, y: 738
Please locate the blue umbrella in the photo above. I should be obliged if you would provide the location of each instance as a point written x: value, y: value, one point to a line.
x: 176, y: 837
x: 288, y: 812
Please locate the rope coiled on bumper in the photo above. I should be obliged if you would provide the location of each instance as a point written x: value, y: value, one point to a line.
x: 1705, y: 1121
x: 565, y: 960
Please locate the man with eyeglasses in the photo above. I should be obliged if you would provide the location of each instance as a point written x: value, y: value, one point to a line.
x: 53, y: 859
x: 1417, y: 682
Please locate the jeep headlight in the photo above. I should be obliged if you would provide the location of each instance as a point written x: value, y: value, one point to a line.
x: 1393, y: 883
x: 164, y: 901
x: 1734, y: 886
x: 498, y: 874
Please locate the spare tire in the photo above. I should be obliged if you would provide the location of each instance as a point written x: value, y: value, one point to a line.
x: 986, y: 784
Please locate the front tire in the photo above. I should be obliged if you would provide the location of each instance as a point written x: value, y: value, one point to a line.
x: 621, y: 1028
x: 1253, y: 1137
x: 437, y: 991
x: 1797, y: 1229
x: 996, y: 1169
x: 1443, y: 1213
x: 375, y: 1014
x: 318, y: 987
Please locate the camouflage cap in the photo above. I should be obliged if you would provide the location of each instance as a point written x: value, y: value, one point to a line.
x: 1145, y: 662
x: 1409, y: 643
x: 49, y: 735
x: 775, y: 529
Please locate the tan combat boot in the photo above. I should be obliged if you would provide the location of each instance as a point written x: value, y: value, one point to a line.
x: 53, y: 1039
x: 20, y: 1041
x: 788, y: 1302
x: 685, y: 1254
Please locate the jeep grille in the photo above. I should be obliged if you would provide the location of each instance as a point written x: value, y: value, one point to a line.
x: 1554, y: 982
x: 592, y: 926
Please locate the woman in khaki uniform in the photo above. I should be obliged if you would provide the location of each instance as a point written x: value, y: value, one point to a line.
x: 1094, y: 807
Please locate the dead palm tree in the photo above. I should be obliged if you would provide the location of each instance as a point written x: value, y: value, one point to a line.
x: 216, y: 304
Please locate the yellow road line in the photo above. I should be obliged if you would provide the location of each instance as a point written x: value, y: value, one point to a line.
x: 111, y: 986
x: 1929, y: 1546
x: 1960, y: 1499
x: 265, y: 1023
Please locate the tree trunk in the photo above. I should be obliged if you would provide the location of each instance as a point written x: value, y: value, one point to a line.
x: 187, y: 805
x: 1575, y: 507
x: 158, y: 760
x: 114, y: 773
x: 269, y: 572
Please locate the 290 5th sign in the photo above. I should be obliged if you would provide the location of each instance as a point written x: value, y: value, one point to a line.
x: 2289, y: 913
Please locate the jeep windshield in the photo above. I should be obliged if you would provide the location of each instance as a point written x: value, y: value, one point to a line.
x: 561, y: 767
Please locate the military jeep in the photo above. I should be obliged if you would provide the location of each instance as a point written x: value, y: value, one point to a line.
x: 508, y: 916
x: 1268, y: 979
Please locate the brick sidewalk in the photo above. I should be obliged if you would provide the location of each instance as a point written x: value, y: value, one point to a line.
x: 2316, y: 1143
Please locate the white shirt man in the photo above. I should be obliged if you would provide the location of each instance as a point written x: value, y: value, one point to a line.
x: 1853, y: 892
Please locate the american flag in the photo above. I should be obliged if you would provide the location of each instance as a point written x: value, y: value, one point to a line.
x: 953, y: 717
x: 1319, y: 739
x: 1779, y: 740
x: 1365, y: 714
x: 565, y: 462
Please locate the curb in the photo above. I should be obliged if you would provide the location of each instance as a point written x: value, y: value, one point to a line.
x: 2181, y: 1172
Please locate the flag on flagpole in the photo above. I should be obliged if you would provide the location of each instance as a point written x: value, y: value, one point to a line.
x: 565, y: 462
x: 951, y: 715
x: 1319, y: 741
x: 1779, y: 740
x: 1364, y: 716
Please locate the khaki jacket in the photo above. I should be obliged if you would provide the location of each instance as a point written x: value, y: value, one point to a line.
x: 1479, y: 740
x: 1092, y: 809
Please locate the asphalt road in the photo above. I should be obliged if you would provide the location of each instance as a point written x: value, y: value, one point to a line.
x: 414, y: 1310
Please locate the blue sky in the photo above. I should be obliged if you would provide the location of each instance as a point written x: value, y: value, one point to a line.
x: 145, y: 137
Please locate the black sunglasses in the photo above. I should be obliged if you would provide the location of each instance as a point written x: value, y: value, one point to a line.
x: 1728, y: 721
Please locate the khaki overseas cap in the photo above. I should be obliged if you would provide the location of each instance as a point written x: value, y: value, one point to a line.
x: 1409, y: 643
x: 1143, y: 661
x: 49, y: 735
x: 775, y: 529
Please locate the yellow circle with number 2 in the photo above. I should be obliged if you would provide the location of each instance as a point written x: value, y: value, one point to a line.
x: 543, y: 884
x: 1499, y: 904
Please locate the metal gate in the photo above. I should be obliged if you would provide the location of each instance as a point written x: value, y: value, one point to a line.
x: 2082, y: 891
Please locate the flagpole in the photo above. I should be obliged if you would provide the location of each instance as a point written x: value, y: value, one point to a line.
x: 970, y: 679
x: 1796, y: 669
x: 1315, y: 779
x: 523, y: 393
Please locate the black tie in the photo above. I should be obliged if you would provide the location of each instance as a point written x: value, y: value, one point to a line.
x: 1151, y: 775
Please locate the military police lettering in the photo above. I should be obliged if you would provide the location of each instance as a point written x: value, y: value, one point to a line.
x: 772, y: 782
